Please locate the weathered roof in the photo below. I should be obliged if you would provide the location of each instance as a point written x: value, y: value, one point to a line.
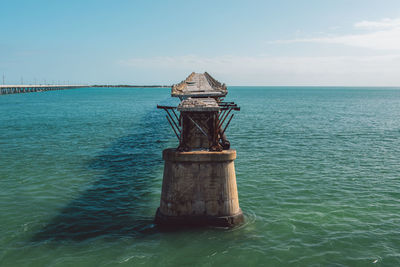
x: 199, y: 85
x: 198, y: 104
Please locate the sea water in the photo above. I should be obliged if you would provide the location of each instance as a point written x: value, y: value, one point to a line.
x: 318, y: 174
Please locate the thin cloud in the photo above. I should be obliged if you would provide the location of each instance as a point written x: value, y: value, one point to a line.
x: 381, y: 24
x: 268, y: 70
x: 384, y: 35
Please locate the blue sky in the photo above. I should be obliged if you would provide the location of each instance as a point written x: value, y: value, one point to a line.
x: 286, y: 42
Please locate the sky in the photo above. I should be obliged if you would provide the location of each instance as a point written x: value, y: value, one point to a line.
x: 270, y: 42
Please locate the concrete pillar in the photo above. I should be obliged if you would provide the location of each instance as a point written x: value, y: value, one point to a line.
x: 199, y: 188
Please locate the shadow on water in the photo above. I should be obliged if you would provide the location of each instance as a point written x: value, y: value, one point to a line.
x: 117, y: 204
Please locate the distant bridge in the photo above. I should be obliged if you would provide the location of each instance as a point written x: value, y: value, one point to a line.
x: 17, y: 89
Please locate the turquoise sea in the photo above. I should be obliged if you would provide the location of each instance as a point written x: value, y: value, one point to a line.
x: 318, y: 174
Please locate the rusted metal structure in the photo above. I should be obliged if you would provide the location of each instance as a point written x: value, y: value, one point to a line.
x: 202, y: 121
x: 199, y: 183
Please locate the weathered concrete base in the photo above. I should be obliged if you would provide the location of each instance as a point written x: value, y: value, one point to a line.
x: 215, y: 221
x: 199, y: 188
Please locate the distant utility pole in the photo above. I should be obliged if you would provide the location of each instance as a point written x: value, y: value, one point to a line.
x: 22, y: 80
x: 3, y: 79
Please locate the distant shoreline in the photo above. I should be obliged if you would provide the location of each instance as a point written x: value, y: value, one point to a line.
x: 133, y: 86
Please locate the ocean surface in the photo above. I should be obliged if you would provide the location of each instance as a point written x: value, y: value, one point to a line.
x: 318, y: 174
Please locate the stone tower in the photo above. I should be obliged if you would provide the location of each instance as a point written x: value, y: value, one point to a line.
x: 199, y: 182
